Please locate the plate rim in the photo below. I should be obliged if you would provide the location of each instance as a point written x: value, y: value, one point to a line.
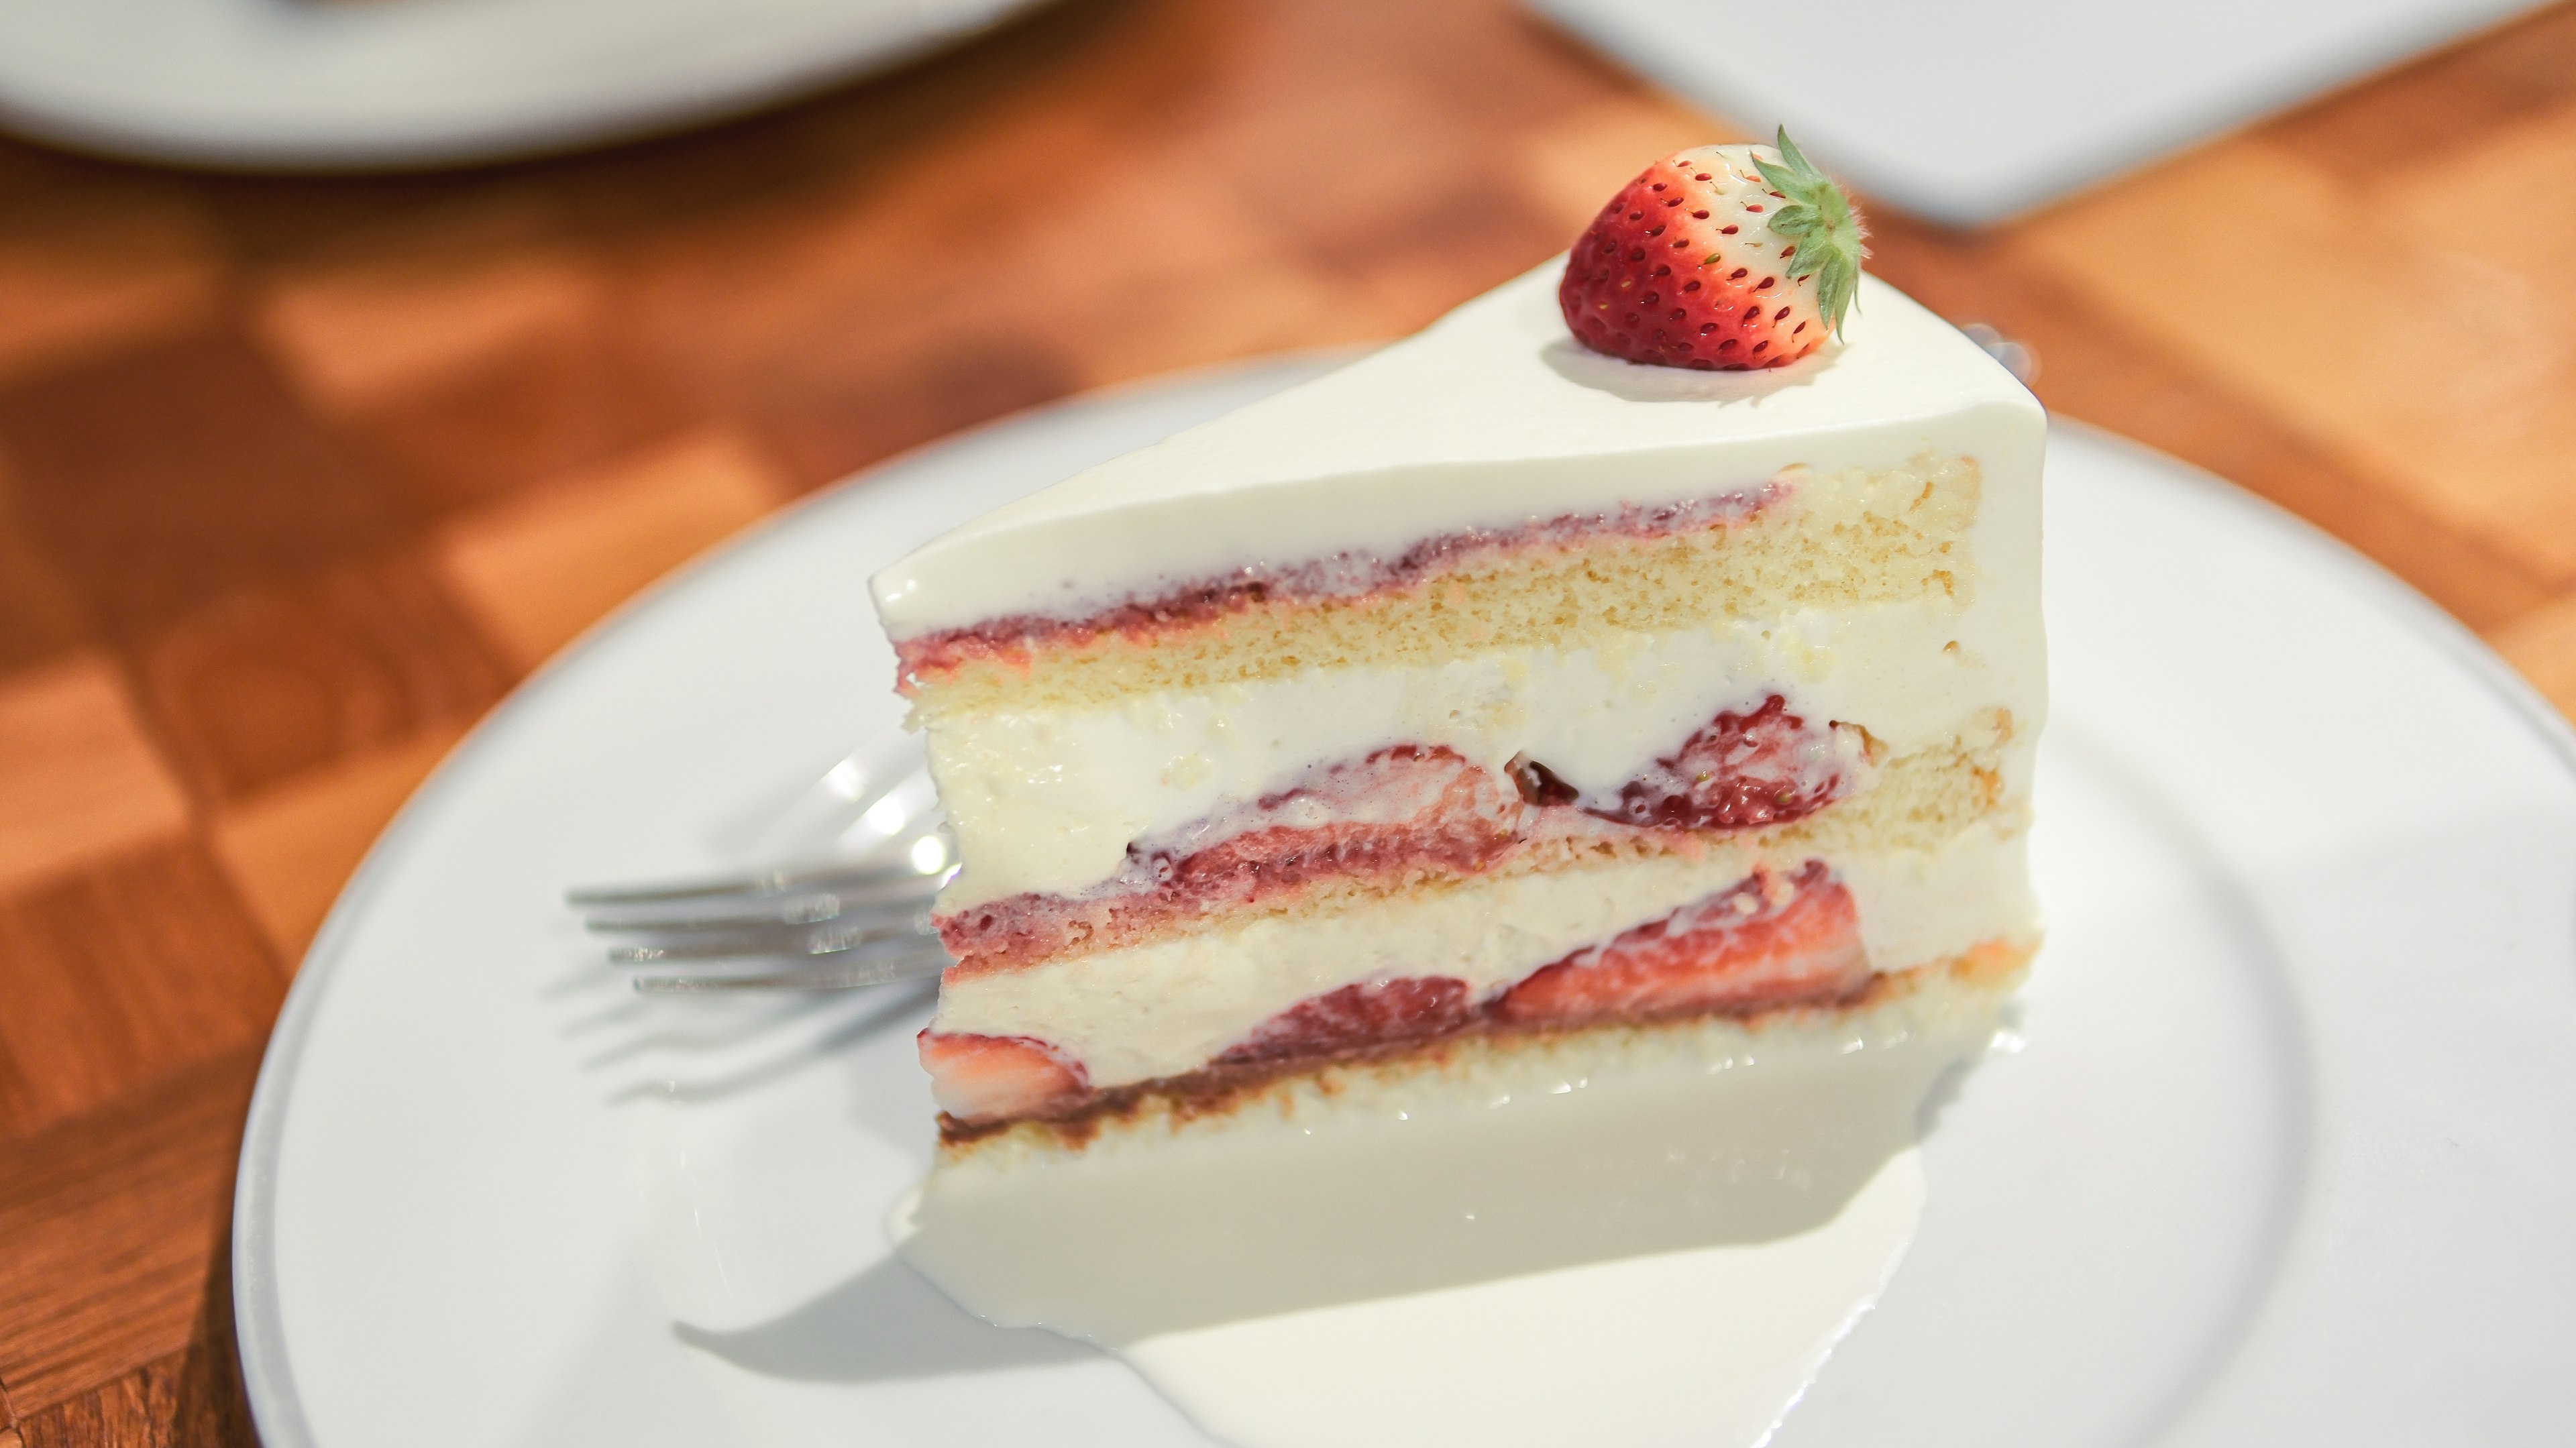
x: 318, y: 142
x: 276, y: 1406
x: 259, y: 1327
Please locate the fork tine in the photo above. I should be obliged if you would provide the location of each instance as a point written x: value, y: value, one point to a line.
x: 764, y: 944
x: 766, y: 885
x: 863, y: 921
x: 836, y: 975
x: 895, y: 898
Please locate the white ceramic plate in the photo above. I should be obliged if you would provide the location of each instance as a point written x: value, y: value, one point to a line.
x: 2288, y: 1155
x: 340, y: 84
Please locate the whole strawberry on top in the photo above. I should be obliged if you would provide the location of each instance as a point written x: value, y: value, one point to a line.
x: 1723, y: 258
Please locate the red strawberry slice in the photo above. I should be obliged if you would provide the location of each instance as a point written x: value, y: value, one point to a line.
x: 1720, y: 258
x: 1410, y: 807
x: 1768, y: 941
x: 993, y: 1078
x: 1409, y: 1008
x: 1397, y: 809
x: 1740, y: 771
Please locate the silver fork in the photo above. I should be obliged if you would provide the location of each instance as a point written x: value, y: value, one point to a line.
x: 860, y: 916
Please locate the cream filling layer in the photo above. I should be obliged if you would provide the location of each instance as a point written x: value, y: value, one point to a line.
x: 1048, y: 801
x: 1169, y: 1007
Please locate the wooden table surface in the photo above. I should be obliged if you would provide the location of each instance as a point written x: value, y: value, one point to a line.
x: 298, y: 477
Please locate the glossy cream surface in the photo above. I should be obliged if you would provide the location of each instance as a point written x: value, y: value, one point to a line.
x: 1414, y: 1236
x: 1168, y: 1007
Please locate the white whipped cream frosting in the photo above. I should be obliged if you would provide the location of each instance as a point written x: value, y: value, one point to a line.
x: 1492, y: 417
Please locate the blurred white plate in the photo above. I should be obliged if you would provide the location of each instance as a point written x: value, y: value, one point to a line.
x: 2289, y: 1155
x: 1967, y: 111
x: 346, y: 84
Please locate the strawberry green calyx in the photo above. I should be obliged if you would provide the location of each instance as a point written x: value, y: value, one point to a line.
x: 1820, y: 219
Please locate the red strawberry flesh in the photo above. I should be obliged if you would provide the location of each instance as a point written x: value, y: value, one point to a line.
x: 1356, y: 1017
x: 1740, y: 771
x: 1401, y: 809
x: 988, y: 1078
x: 1770, y: 941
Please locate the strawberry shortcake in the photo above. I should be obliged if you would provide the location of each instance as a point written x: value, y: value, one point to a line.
x: 1651, y: 645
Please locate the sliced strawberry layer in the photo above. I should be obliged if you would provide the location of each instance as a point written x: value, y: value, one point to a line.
x: 987, y: 1078
x: 1355, y: 1017
x: 1740, y: 771
x: 1401, y: 809
x: 1396, y: 809
x: 1769, y: 941
x: 1144, y: 619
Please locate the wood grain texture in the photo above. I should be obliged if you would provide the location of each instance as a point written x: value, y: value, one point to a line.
x: 541, y: 567
x: 275, y: 679
x: 369, y: 329
x: 120, y: 974
x: 161, y: 477
x: 78, y: 776
x: 40, y: 617
x: 299, y: 477
x: 288, y: 850
x: 108, y: 1225
x: 89, y: 268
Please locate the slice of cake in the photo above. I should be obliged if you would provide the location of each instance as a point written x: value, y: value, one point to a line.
x: 1623, y: 653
